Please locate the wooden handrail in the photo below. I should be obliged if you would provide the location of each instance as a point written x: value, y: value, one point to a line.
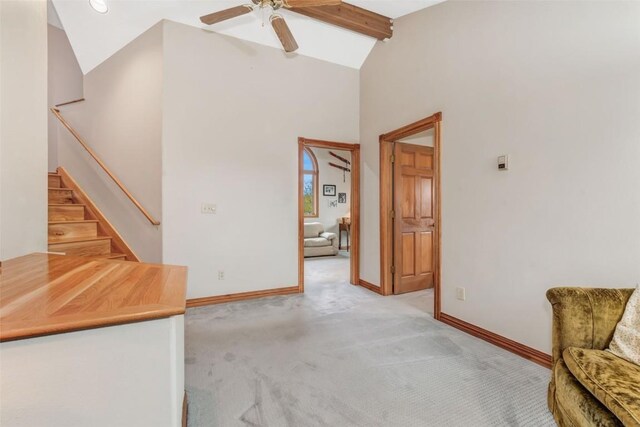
x: 104, y: 167
x: 70, y: 102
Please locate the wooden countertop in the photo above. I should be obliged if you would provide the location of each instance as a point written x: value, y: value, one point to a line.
x: 42, y: 294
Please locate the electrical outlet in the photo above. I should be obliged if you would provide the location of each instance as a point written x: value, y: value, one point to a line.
x: 220, y: 275
x: 208, y: 208
x: 461, y: 294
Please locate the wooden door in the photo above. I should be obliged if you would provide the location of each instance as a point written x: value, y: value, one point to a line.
x: 414, y: 218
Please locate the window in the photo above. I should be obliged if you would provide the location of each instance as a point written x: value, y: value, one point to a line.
x: 310, y: 183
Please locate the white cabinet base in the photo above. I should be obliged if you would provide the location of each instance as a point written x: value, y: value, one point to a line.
x: 126, y: 375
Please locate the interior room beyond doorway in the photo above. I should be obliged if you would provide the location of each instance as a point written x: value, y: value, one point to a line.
x: 328, y: 212
x: 327, y: 209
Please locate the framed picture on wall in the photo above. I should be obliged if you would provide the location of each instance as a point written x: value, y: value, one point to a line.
x: 342, y: 197
x: 333, y: 203
x: 329, y: 190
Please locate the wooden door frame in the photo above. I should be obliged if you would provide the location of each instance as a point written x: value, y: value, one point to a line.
x: 354, y: 249
x: 387, y: 142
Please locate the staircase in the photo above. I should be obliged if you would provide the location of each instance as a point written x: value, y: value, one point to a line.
x: 76, y: 225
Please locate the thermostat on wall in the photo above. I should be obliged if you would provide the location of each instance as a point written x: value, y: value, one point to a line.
x: 503, y: 162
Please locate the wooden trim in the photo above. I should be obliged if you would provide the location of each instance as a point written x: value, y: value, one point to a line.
x: 355, y: 205
x: 437, y: 288
x: 70, y: 102
x: 104, y: 167
x: 515, y: 347
x: 386, y: 221
x: 220, y: 299
x: 301, y: 147
x: 314, y: 160
x: 387, y: 143
x: 104, y: 226
x: 352, y: 18
x: 316, y: 180
x: 319, y: 143
x: 412, y: 128
x: 185, y: 410
x: 370, y: 286
x: 354, y: 228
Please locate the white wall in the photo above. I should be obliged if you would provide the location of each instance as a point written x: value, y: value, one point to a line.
x: 127, y: 375
x: 233, y: 112
x: 557, y: 86
x: 64, y: 82
x: 329, y: 216
x: 121, y: 120
x: 23, y: 127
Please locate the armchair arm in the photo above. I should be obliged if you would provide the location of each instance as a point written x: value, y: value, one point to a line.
x: 328, y: 236
x: 332, y: 237
x: 585, y: 317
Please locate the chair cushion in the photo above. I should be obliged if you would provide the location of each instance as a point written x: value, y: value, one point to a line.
x: 574, y: 405
x: 316, y: 242
x: 612, y: 380
x: 312, y: 229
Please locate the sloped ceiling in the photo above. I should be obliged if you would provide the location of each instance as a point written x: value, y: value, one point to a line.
x: 95, y: 37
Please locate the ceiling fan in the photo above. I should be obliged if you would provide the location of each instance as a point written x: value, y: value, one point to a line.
x: 277, y: 21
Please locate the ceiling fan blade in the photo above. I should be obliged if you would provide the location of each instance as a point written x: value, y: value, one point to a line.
x: 310, y: 3
x: 223, y: 15
x: 284, y: 34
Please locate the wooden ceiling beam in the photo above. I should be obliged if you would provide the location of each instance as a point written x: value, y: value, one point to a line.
x: 352, y: 18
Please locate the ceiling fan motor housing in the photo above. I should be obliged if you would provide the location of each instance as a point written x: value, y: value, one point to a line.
x: 274, y: 4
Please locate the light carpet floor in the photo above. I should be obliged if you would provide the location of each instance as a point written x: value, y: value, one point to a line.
x: 340, y: 355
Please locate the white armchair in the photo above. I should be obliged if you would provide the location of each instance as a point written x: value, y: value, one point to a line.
x: 318, y: 242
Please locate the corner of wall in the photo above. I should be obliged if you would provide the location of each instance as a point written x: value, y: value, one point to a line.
x: 23, y: 128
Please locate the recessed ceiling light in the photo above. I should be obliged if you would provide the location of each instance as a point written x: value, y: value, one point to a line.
x: 99, y: 6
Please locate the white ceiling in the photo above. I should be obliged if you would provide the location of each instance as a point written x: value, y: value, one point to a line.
x: 95, y: 37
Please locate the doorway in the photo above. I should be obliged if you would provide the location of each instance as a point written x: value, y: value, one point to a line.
x: 328, y: 210
x: 410, y: 229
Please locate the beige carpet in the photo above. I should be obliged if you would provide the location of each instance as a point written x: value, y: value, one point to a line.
x: 334, y: 270
x: 340, y: 355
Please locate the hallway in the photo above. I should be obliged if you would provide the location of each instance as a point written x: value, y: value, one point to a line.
x: 340, y: 355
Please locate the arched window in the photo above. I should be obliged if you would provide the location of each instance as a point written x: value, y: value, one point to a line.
x: 310, y: 183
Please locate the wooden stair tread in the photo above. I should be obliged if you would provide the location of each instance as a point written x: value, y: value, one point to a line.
x: 80, y: 239
x: 77, y: 227
x: 110, y: 255
x: 78, y: 221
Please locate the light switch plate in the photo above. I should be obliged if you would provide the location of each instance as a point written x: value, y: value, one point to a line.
x: 461, y: 294
x: 208, y: 208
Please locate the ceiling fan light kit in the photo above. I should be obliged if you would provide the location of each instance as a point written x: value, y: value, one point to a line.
x: 277, y: 21
x: 99, y: 6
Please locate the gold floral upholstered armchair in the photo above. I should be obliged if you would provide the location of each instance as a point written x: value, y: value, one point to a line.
x: 590, y: 386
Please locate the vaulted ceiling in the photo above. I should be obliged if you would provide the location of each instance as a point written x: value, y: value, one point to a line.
x: 95, y: 37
